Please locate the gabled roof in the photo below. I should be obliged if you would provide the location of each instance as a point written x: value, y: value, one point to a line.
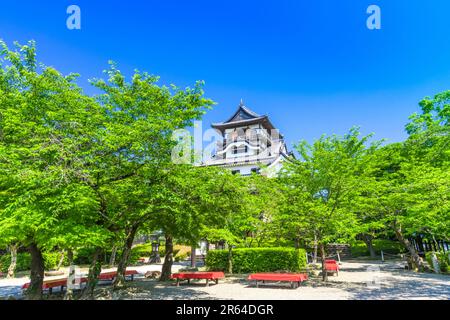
x: 243, y: 116
x: 243, y: 113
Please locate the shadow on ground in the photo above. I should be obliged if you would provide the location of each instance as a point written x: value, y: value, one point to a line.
x: 10, y: 291
x: 404, y: 286
x: 155, y: 290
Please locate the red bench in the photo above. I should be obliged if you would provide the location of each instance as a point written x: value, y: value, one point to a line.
x: 332, y: 266
x: 294, y: 278
x: 55, y: 283
x: 214, y: 276
x: 50, y: 284
x: 111, y: 275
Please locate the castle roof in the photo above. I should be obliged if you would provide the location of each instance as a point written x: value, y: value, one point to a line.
x: 244, y: 117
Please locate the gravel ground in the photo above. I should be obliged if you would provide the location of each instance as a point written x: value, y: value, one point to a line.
x: 357, y: 280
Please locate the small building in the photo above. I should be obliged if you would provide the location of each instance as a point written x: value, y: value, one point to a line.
x: 250, y: 144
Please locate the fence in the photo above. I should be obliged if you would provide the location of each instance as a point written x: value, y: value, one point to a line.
x: 423, y: 245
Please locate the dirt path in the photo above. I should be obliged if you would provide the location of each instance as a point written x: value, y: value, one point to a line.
x: 357, y: 280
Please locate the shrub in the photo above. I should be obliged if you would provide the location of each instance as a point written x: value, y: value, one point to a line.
x: 443, y: 259
x: 359, y: 248
x: 250, y: 260
x: 145, y: 250
x: 181, y: 252
x: 142, y: 250
x: 51, y: 261
x: 23, y: 262
x: 83, y: 256
x: 182, y: 255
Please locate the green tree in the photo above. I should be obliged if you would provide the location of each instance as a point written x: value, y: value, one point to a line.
x: 44, y: 118
x: 141, y: 117
x: 188, y: 200
x: 321, y: 186
x: 429, y: 130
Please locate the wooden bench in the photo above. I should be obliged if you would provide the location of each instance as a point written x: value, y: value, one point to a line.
x: 332, y: 266
x: 214, y: 276
x: 111, y: 275
x: 62, y: 283
x: 294, y: 278
x: 50, y: 284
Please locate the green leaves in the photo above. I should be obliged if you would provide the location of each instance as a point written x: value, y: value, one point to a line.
x: 193, y: 202
x: 322, y: 185
x: 78, y: 170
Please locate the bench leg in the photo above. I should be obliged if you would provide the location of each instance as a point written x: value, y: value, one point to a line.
x: 178, y: 282
x: 257, y: 284
x: 207, y: 282
x: 50, y: 290
x: 217, y: 281
x: 189, y: 281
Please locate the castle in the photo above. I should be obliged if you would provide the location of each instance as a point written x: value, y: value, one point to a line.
x: 250, y: 144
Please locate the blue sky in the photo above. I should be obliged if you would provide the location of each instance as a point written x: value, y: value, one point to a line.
x: 313, y: 66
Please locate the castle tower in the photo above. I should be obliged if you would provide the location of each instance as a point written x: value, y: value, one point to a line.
x: 250, y: 143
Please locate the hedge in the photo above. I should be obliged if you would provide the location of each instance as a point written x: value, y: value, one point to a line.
x: 248, y: 260
x: 145, y: 250
x: 180, y: 252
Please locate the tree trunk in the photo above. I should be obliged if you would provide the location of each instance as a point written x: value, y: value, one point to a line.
x: 416, y: 260
x: 112, y: 259
x: 315, y: 248
x: 70, y: 257
x: 230, y: 259
x: 168, y: 260
x: 324, y: 269
x: 34, y: 292
x: 61, y: 260
x: 436, y: 244
x: 13, y: 264
x: 94, y: 271
x: 297, y: 243
x: 193, y: 257
x: 69, y: 292
x: 119, y: 282
x: 367, y: 238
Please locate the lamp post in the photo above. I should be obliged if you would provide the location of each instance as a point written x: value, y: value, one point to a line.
x: 155, y: 251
